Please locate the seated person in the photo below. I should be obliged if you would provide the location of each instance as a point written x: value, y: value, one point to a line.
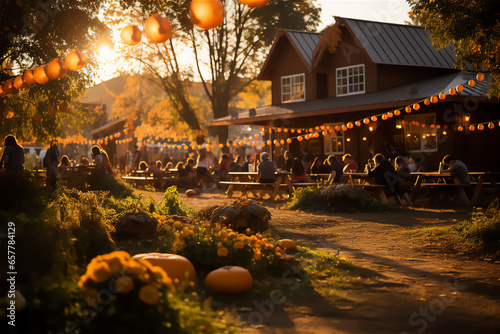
x: 403, y: 187
x: 350, y: 165
x: 334, y: 168
x: 298, y: 172
x: 180, y: 168
x: 456, y: 167
x: 384, y: 172
x: 317, y: 166
x: 84, y: 161
x: 156, y: 169
x: 225, y: 164
x: 63, y: 165
x: 238, y: 165
x: 266, y: 169
x: 143, y: 166
x: 188, y: 168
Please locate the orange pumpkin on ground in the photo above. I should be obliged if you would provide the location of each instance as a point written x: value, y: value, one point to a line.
x: 229, y: 279
x: 287, y: 244
x: 191, y: 193
x: 174, y: 265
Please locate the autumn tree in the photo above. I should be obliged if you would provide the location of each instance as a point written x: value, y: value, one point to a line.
x: 472, y: 26
x: 34, y: 33
x: 225, y: 59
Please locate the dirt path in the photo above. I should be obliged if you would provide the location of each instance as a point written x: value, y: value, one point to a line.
x: 416, y: 291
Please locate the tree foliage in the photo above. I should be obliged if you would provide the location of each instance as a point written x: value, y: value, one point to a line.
x: 225, y: 59
x: 34, y: 33
x: 472, y: 26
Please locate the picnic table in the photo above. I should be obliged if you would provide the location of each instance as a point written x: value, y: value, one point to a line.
x: 320, y: 177
x: 440, y: 181
x: 365, y: 182
x: 247, y: 182
x: 483, y: 179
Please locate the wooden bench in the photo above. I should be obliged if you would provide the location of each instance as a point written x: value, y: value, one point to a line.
x: 379, y: 189
x: 139, y: 181
x: 304, y: 184
x: 247, y: 187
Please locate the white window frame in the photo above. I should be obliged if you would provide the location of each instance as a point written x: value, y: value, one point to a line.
x: 353, y: 78
x: 293, y: 89
x: 421, y: 133
x: 329, y: 139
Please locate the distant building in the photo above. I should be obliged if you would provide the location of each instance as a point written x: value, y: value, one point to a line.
x: 357, y: 69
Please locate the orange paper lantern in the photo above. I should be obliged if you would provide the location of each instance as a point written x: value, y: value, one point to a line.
x: 344, y: 128
x: 408, y: 109
x: 397, y: 112
x: 350, y: 125
x: 472, y: 128
x: 427, y: 102
x: 75, y: 60
x: 480, y: 127
x: 491, y: 125
x: 434, y: 99
x: 416, y: 106
x: 452, y: 91
x: 131, y: 35
x: 254, y: 3
x: 56, y: 69
x: 442, y: 96
x: 384, y: 117
x: 460, y: 88
x: 472, y: 83
x: 19, y: 82
x: 460, y: 128
x: 28, y: 77
x: 40, y: 75
x: 289, y: 141
x: 366, y: 121
x: 480, y: 77
x: 158, y: 29
x: 8, y: 87
x: 206, y: 14
x: 357, y: 123
x: 374, y: 118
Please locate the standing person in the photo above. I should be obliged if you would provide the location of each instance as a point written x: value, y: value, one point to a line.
x: 203, y: 163
x: 136, y: 158
x: 63, y: 165
x: 12, y: 155
x: 51, y: 160
x: 266, y: 169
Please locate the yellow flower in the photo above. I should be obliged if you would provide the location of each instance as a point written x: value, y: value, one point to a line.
x: 248, y: 231
x: 256, y: 255
x: 258, y: 235
x: 177, y: 225
x: 101, y: 272
x: 116, y: 264
x: 162, y: 276
x: 223, y: 235
x: 124, y: 284
x: 238, y: 245
x: 222, y: 252
x: 149, y: 294
x: 219, y: 245
x: 186, y: 232
x: 134, y: 268
x: 83, y: 280
x: 179, y: 245
x: 121, y: 255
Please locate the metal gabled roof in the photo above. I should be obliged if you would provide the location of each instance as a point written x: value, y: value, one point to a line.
x: 305, y: 43
x: 395, y: 97
x: 396, y: 44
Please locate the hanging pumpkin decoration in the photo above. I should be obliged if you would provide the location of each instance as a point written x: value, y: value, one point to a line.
x: 254, y: 3
x: 28, y: 77
x: 206, y: 14
x: 8, y: 87
x: 158, y: 29
x: 19, y: 82
x: 229, y: 279
x: 286, y: 244
x: 131, y: 35
x: 57, y: 69
x: 75, y: 60
x: 40, y: 75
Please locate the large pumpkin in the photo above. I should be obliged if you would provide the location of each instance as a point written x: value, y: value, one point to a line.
x: 229, y: 279
x: 40, y: 75
x: 56, y: 69
x: 287, y: 244
x: 174, y: 265
x: 75, y: 60
x: 131, y: 35
x: 206, y: 14
x: 157, y: 29
x: 254, y: 3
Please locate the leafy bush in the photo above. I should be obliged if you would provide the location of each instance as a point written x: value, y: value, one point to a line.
x: 336, y: 198
x: 171, y: 204
x: 106, y: 182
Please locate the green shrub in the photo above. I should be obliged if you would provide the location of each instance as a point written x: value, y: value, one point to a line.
x: 106, y: 182
x: 171, y: 204
x: 336, y: 198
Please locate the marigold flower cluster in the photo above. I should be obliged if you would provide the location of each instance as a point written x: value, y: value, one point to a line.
x: 121, y: 274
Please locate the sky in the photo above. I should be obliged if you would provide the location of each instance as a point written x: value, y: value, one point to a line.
x: 393, y: 11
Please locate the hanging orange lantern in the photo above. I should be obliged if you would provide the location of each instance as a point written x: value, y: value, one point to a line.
x: 75, y: 60
x: 384, y: 117
x: 366, y: 121
x: 28, y: 77
x: 460, y: 128
x: 338, y: 128
x: 472, y: 128
x: 206, y: 14
x: 434, y: 99
x: 131, y: 35
x: 390, y: 115
x: 397, y: 112
x: 471, y: 83
x: 289, y: 141
x: 350, y: 125
x: 324, y: 133
x: 299, y: 131
x: 331, y: 131
x: 491, y: 125
x: 254, y: 3
x: 8, y: 87
x: 480, y: 77
x: 357, y: 123
x: 56, y: 69
x: 282, y: 142
x: 416, y: 106
x: 257, y: 136
x: 427, y: 102
x: 374, y: 118
x: 344, y: 128
x: 316, y: 135
x: 480, y: 127
x: 269, y: 142
x: 442, y: 96
x: 408, y: 109
x: 452, y: 91
x: 299, y: 138
x: 40, y: 75
x: 19, y: 82
x: 459, y: 88
x: 158, y: 29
